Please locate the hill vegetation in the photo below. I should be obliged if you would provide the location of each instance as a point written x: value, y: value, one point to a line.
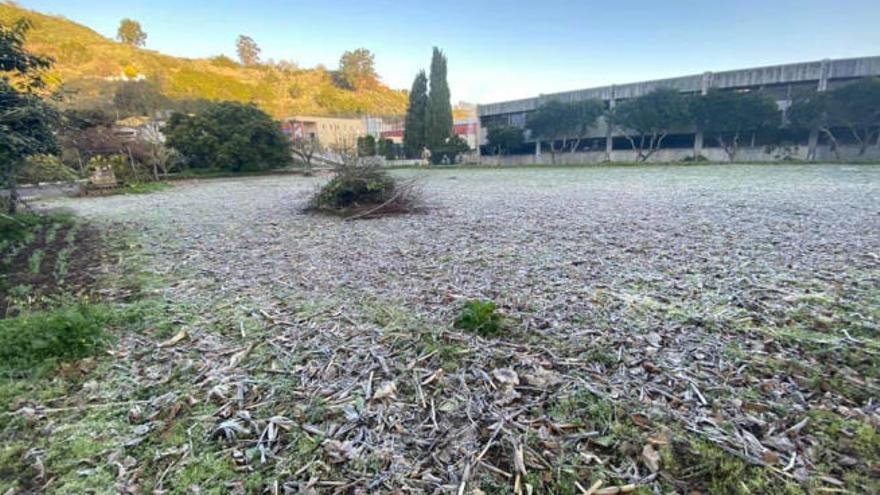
x: 90, y: 66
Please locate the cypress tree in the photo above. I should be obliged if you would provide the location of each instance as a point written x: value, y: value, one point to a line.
x: 416, y: 113
x: 439, y: 121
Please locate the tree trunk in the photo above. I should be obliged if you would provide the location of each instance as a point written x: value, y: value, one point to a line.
x: 729, y: 148
x: 656, y: 142
x: 131, y: 164
x: 834, y: 144
x: 859, y: 139
x: 12, y: 186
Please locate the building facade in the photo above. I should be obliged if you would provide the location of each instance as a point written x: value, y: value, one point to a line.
x: 338, y: 134
x: 467, y: 129
x: 781, y: 82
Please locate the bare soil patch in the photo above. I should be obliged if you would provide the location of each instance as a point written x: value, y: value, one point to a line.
x: 55, y: 257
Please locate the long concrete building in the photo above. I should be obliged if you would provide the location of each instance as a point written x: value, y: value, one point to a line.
x: 779, y: 81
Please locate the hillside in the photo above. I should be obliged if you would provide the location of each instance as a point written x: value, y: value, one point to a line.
x: 91, y: 64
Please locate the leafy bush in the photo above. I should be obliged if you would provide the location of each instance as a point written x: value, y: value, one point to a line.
x: 45, y: 168
x: 448, y: 152
x: 32, y: 340
x: 364, y: 190
x: 480, y: 317
x: 230, y: 136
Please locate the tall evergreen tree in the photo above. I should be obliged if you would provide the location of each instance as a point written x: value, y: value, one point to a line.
x: 439, y: 119
x: 414, y: 125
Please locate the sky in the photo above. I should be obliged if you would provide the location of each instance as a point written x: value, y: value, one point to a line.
x: 504, y: 49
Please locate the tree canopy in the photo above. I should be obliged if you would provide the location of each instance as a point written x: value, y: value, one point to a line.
x: 27, y: 122
x: 248, y: 51
x: 357, y: 69
x: 566, y: 122
x: 854, y: 108
x: 416, y: 114
x: 131, y: 33
x: 727, y: 115
x: 648, y: 119
x: 438, y: 128
x: 505, y: 139
x: 229, y: 136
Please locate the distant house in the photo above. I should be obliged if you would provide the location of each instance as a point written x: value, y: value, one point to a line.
x: 338, y: 134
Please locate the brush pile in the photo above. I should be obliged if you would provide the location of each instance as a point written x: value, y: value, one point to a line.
x: 365, y: 190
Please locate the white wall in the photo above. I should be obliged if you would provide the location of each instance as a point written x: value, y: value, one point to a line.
x: 745, y: 154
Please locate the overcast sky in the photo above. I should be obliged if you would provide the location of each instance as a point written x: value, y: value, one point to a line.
x: 504, y: 49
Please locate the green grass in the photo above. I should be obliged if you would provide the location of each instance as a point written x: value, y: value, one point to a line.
x: 144, y: 187
x: 23, y: 226
x: 34, y: 341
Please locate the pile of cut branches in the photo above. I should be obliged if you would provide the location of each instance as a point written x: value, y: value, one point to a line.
x: 365, y: 190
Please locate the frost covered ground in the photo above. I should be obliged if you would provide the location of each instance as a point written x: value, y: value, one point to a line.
x: 669, y: 329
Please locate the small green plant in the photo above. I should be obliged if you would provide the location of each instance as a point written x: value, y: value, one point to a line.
x: 480, y: 317
x: 68, y: 333
x: 36, y: 260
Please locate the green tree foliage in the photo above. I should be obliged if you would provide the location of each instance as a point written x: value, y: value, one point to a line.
x: 648, y: 119
x: 416, y: 115
x: 505, y: 139
x: 727, y: 115
x: 854, y: 108
x: 447, y: 152
x: 27, y: 122
x: 248, y: 51
x: 131, y: 33
x: 438, y: 128
x: 366, y: 145
x: 229, y: 136
x: 357, y: 69
x: 565, y: 123
x: 385, y: 147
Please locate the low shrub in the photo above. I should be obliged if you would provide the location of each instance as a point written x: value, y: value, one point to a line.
x: 697, y: 159
x: 45, y: 168
x: 35, y: 340
x: 363, y: 190
x: 480, y: 317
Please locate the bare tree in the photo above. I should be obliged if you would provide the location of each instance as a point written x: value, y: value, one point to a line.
x: 305, y: 149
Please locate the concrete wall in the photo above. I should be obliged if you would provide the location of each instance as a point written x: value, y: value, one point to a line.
x: 745, y: 154
x: 797, y: 73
